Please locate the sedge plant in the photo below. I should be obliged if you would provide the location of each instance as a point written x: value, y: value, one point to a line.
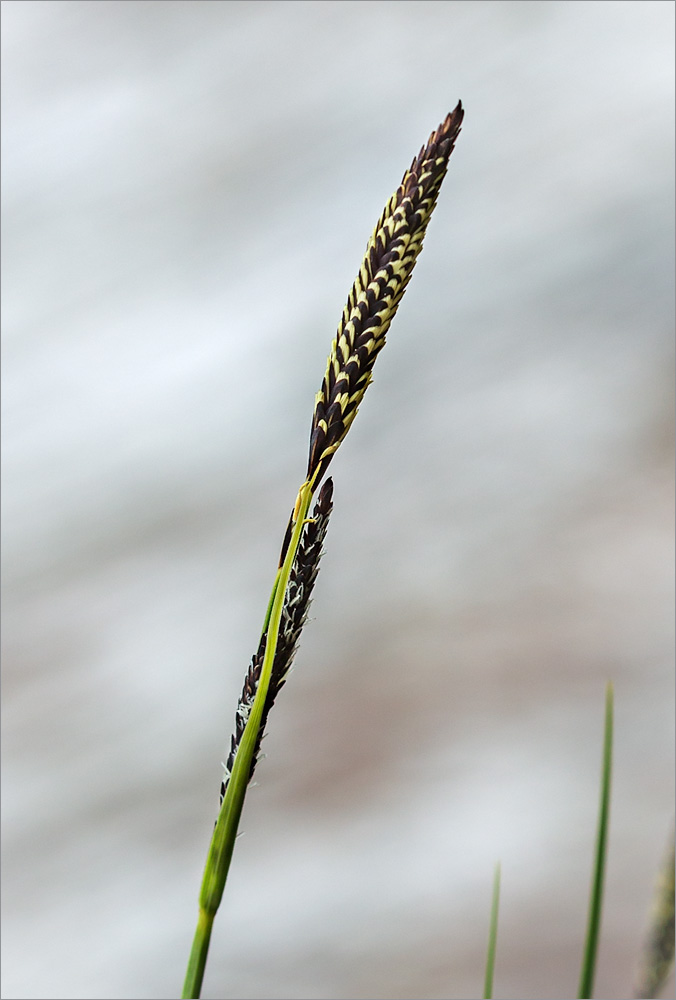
x: 372, y: 303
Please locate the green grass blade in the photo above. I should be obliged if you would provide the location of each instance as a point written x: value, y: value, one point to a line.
x: 492, y: 936
x: 598, y: 875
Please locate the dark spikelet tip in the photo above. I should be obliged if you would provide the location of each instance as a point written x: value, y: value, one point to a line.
x: 450, y: 126
x: 325, y: 498
x: 286, y: 542
x: 440, y: 143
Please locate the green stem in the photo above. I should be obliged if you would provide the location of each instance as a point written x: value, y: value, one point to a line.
x: 198, y: 955
x: 596, y: 894
x: 492, y: 936
x: 225, y: 831
x: 266, y: 621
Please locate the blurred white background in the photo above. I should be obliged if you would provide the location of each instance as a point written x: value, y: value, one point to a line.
x: 188, y: 189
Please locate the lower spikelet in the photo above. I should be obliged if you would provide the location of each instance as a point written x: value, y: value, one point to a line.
x: 294, y: 612
x: 385, y: 271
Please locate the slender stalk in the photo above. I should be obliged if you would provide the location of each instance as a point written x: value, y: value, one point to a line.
x: 492, y: 936
x: 198, y: 955
x: 225, y: 831
x: 598, y: 875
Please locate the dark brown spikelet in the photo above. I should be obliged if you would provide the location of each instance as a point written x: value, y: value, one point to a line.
x: 294, y: 613
x: 385, y: 271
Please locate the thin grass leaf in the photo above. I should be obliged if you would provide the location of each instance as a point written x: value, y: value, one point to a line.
x: 492, y: 936
x: 658, y: 951
x: 596, y: 895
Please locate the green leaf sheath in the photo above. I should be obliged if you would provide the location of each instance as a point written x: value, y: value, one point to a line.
x: 596, y: 895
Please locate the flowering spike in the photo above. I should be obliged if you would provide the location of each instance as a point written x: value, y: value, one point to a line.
x: 385, y: 271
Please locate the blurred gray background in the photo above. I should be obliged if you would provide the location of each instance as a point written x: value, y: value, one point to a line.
x: 188, y: 189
